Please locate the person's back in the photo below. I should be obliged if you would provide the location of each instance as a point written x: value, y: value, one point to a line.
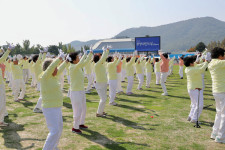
x: 217, y: 71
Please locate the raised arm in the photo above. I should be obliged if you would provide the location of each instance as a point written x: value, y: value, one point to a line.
x: 61, y: 68
x: 48, y: 72
x: 4, y: 56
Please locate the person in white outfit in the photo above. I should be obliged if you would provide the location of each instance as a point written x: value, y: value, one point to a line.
x: 52, y: 100
x: 217, y: 71
x: 112, y: 77
x: 2, y: 90
x: 148, y: 71
x: 18, y: 82
x: 101, y: 81
x: 77, y: 92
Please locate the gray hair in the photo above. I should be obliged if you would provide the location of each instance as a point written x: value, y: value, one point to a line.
x: 46, y: 63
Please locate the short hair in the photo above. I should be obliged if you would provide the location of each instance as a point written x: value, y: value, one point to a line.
x: 165, y: 55
x: 35, y: 58
x: 217, y: 52
x: 189, y: 60
x: 96, y: 58
x: 1, y: 55
x: 109, y: 59
x: 156, y: 59
x: 46, y: 63
x: 29, y: 60
x: 73, y: 56
x: 136, y: 59
x: 128, y: 59
x: 147, y: 59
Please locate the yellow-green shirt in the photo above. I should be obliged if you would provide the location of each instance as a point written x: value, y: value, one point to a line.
x: 129, y: 67
x: 112, y: 69
x: 17, y: 72
x: 77, y: 74
x: 217, y: 71
x: 100, y: 70
x: 157, y: 66
x: 50, y: 86
x: 124, y: 63
x: 194, y: 77
x: 38, y: 65
x: 25, y: 64
x: 138, y: 66
x: 88, y: 67
x: 2, y: 59
x: 148, y: 66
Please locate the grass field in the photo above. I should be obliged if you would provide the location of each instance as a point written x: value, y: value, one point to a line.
x: 127, y: 126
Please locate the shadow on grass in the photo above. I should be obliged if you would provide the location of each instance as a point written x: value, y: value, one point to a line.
x: 12, y: 139
x: 106, y: 142
x: 206, y: 123
x: 142, y: 95
x: 179, y: 97
x: 126, y: 100
x: 27, y: 104
x: 132, y: 108
x: 127, y: 123
x: 67, y: 105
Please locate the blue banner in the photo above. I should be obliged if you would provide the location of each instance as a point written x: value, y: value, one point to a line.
x: 147, y: 43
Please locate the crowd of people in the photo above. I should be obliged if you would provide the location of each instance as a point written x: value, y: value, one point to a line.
x: 47, y: 74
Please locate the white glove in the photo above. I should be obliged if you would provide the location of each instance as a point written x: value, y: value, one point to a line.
x: 135, y: 53
x: 14, y: 58
x: 68, y: 58
x: 103, y: 48
x: 109, y: 47
x: 45, y: 49
x: 40, y: 51
x: 208, y: 56
x: 48, y: 55
x: 19, y: 57
x: 84, y: 51
x: 62, y: 55
x: 197, y: 59
x: 11, y: 46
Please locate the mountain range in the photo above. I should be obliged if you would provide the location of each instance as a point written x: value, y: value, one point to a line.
x: 175, y: 37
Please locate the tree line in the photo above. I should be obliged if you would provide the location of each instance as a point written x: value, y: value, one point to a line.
x: 201, y: 46
x: 27, y: 49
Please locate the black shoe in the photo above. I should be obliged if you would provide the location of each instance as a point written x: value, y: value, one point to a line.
x: 181, y: 78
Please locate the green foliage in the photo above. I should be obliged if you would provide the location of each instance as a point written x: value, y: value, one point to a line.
x: 200, y: 47
x: 213, y: 44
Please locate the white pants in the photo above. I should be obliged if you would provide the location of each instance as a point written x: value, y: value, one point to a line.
x: 141, y: 80
x: 123, y: 71
x: 196, y: 95
x: 130, y: 80
x: 148, y: 78
x: 18, y: 85
x: 203, y: 81
x: 39, y: 102
x: 62, y: 80
x: 171, y: 69
x: 78, y: 101
x: 181, y: 71
x: 157, y: 76
x: 7, y: 76
x: 119, y: 79
x: 10, y: 80
x: 54, y: 121
x: 102, y: 92
x: 25, y: 75
x: 33, y: 81
x: 2, y: 102
x: 163, y: 80
x: 90, y: 81
x: 219, y: 123
x: 68, y: 79
x: 112, y: 90
x: 38, y: 86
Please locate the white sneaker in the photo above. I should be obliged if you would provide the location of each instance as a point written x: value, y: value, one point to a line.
x: 217, y: 140
x: 37, y: 110
x: 213, y: 136
x: 164, y: 94
x: 189, y: 119
x: 113, y: 103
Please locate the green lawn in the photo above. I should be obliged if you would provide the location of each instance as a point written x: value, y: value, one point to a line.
x: 127, y: 126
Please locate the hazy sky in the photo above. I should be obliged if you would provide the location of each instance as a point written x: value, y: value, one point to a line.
x: 51, y: 21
